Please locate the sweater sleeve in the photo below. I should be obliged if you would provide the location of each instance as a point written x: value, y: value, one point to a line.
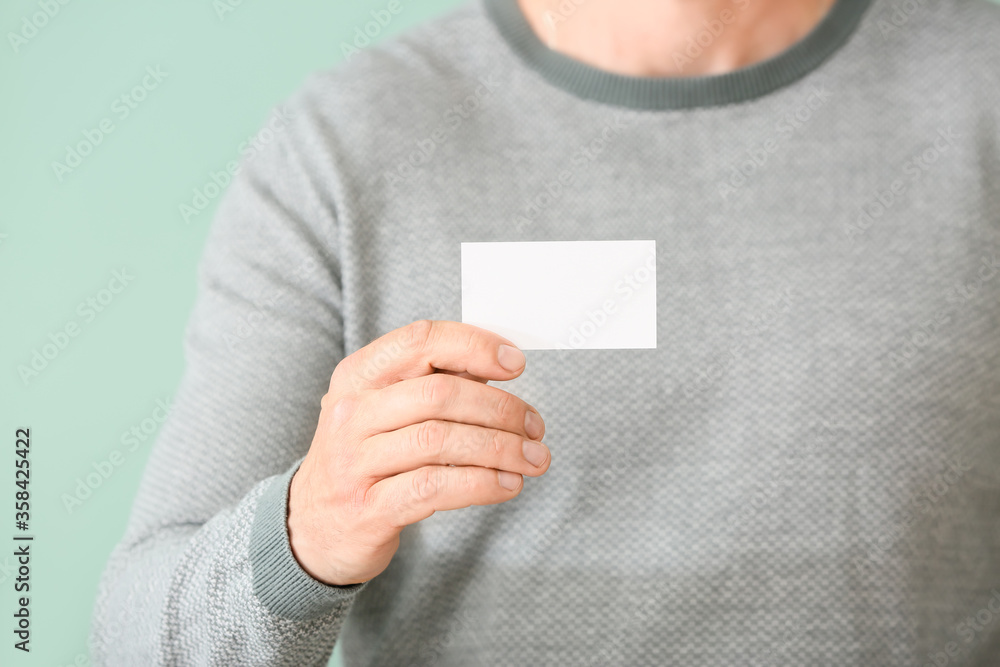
x: 204, y: 574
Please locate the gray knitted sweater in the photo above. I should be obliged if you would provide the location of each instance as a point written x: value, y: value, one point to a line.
x: 805, y: 471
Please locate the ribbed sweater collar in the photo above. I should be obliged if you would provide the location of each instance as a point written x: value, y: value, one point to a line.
x: 592, y: 83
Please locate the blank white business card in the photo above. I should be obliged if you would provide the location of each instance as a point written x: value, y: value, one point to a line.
x: 549, y: 295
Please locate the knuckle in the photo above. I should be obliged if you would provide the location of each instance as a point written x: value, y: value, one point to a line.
x: 355, y: 497
x: 415, y: 335
x: 471, y: 341
x: 437, y: 389
x: 341, y: 409
x: 426, y: 483
x: 497, y: 442
x: 504, y: 406
x: 430, y: 437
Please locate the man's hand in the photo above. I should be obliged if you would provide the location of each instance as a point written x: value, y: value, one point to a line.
x: 408, y: 427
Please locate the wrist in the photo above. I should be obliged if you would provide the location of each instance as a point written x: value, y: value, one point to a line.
x: 301, y: 537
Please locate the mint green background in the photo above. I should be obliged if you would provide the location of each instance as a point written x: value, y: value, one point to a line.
x: 119, y: 208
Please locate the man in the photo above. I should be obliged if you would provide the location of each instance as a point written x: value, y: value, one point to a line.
x: 805, y: 470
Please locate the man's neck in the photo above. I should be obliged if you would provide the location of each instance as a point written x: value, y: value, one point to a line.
x: 672, y: 37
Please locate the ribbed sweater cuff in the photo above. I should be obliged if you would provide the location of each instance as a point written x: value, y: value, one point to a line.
x: 279, y: 582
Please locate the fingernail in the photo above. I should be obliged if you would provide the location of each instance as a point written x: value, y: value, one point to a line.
x: 509, y: 480
x: 510, y: 358
x: 533, y: 425
x: 534, y: 452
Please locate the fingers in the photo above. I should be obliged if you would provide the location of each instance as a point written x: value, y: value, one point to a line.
x: 437, y: 442
x: 466, y: 375
x: 449, y: 398
x: 413, y: 496
x: 422, y: 347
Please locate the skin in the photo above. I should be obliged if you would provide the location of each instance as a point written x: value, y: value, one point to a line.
x: 410, y: 425
x: 644, y: 37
